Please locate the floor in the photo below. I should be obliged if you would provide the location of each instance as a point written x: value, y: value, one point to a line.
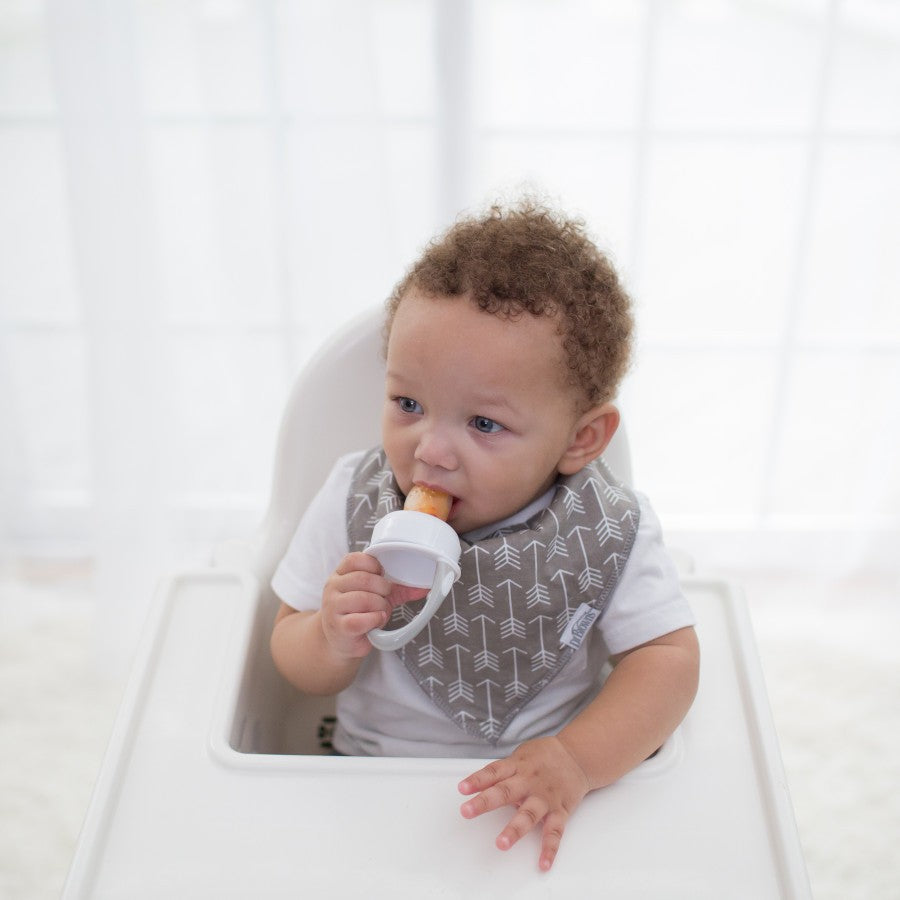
x: 829, y: 653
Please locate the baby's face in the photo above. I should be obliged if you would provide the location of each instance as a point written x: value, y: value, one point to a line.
x: 475, y: 405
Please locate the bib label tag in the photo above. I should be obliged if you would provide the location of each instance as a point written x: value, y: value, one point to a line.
x: 579, y: 625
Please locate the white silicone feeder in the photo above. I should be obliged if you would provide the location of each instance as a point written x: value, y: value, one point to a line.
x: 418, y: 550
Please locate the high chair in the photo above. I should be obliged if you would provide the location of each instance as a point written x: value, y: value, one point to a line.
x: 218, y: 780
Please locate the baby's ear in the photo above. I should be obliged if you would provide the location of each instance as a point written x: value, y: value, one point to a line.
x: 592, y: 433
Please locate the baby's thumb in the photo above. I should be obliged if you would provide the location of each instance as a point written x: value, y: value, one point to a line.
x: 401, y: 593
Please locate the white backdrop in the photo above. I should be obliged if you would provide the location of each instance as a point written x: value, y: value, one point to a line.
x: 194, y: 192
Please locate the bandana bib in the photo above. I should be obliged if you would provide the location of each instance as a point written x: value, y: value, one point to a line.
x: 525, y: 600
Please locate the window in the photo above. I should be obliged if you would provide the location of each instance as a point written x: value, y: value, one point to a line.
x: 194, y: 193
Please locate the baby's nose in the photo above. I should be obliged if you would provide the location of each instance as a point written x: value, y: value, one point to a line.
x: 435, y: 449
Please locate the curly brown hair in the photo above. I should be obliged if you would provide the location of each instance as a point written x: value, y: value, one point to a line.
x: 530, y: 259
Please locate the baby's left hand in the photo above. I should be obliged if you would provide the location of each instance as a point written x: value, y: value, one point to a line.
x: 543, y: 780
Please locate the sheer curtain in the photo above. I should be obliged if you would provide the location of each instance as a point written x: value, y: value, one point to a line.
x: 194, y: 192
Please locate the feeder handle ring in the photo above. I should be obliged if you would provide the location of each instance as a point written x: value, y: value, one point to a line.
x: 444, y: 576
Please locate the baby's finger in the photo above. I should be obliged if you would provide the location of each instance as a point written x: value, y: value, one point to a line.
x: 527, y: 816
x: 504, y: 793
x: 484, y: 778
x: 358, y: 624
x: 554, y: 826
x: 361, y: 600
x: 354, y: 583
x: 359, y: 562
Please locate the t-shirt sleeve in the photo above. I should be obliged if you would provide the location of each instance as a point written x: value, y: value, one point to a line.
x: 319, y: 543
x: 648, y: 601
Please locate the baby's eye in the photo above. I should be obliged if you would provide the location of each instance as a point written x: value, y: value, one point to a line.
x: 486, y: 425
x: 408, y: 405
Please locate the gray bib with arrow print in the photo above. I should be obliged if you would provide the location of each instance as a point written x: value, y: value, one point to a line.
x: 525, y: 600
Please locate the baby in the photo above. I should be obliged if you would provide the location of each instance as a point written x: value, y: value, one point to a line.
x: 505, y: 344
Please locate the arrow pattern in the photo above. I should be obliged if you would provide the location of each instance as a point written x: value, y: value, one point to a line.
x: 430, y: 653
x: 454, y: 622
x: 515, y: 688
x: 562, y: 618
x: 518, y: 591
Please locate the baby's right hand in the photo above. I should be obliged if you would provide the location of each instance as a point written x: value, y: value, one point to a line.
x: 356, y: 599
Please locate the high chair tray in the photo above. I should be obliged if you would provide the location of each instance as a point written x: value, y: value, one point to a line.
x: 182, y: 808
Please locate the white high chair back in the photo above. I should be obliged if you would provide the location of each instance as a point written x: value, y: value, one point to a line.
x: 334, y: 408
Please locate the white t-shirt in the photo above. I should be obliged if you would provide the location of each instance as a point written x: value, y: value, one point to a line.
x: 385, y: 713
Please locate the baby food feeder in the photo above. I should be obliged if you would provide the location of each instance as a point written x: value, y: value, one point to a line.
x: 218, y: 780
x: 418, y: 550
